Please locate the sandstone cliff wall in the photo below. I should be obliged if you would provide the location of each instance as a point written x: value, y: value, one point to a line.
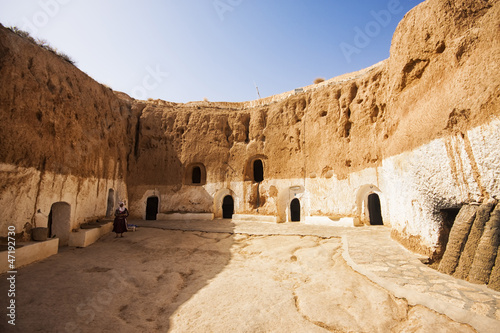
x: 64, y: 138
x: 420, y: 130
x: 416, y: 135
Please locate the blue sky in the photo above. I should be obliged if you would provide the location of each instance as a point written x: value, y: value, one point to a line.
x: 188, y: 50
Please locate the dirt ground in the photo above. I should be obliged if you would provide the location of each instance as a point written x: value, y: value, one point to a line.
x: 156, y: 280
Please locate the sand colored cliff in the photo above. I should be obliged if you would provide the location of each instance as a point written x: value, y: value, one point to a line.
x: 406, y: 142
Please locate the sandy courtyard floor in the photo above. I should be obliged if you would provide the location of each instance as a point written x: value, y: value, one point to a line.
x: 156, y: 280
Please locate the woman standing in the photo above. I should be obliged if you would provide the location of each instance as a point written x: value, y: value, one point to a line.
x: 120, y: 223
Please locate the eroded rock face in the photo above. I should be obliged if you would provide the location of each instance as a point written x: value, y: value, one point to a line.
x: 420, y: 130
x: 443, y: 56
x: 64, y: 138
x: 404, y: 139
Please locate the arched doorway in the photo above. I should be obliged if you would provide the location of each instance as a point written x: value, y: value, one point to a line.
x: 374, y: 209
x: 111, y: 202
x: 59, y: 224
x: 151, y: 208
x: 227, y: 207
x: 295, y: 210
x: 258, y: 171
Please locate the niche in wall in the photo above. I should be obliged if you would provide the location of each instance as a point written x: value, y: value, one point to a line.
x: 254, y: 169
x: 258, y: 171
x: 110, y: 203
x: 195, y: 174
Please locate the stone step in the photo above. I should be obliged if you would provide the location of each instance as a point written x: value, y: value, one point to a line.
x: 255, y: 218
x: 184, y: 216
x: 334, y: 222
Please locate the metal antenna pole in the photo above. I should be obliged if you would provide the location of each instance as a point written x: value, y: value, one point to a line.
x: 257, y: 89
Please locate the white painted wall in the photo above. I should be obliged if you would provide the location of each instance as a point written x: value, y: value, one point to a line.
x: 29, y: 195
x: 412, y: 186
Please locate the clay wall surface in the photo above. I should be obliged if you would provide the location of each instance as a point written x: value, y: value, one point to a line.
x: 419, y: 129
x: 63, y: 138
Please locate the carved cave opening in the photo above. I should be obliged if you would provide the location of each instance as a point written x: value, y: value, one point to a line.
x: 227, y: 207
x: 374, y: 209
x: 151, y: 208
x: 196, y: 175
x: 295, y: 210
x: 258, y: 171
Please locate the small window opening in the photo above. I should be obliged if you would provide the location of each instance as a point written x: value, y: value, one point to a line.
x: 258, y: 171
x: 196, y: 175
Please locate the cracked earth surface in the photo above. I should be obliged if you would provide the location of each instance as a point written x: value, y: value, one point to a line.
x: 190, y: 281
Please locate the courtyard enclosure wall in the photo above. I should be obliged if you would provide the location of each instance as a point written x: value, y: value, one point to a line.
x: 64, y: 142
x: 417, y: 132
x: 400, y: 143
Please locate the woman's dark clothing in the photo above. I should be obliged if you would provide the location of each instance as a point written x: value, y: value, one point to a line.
x: 120, y: 223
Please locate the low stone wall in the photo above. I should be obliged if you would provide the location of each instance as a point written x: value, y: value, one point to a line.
x: 86, y: 237
x: 29, y: 253
x: 65, y: 200
x: 185, y: 216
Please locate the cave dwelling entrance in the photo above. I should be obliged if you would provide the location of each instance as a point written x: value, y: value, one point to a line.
x: 374, y: 210
x: 196, y: 175
x: 227, y: 207
x: 258, y: 171
x: 152, y: 208
x: 295, y: 210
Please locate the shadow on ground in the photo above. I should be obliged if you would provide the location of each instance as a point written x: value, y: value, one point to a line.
x: 215, y: 276
x: 129, y: 284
